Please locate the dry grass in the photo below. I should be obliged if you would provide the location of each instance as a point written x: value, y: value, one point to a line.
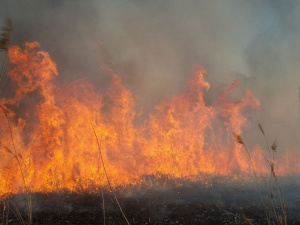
x: 18, y: 157
x: 273, y: 214
x: 240, y: 141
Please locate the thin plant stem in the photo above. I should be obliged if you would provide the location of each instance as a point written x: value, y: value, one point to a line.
x: 15, y: 151
x: 256, y: 179
x: 283, y: 208
x: 270, y: 194
x: 16, y: 156
x: 105, y: 172
x: 274, y: 175
x: 102, y: 194
x: 17, y: 213
x: 7, y: 211
x: 103, y: 206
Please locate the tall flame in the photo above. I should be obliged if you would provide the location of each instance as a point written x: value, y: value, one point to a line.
x: 46, y: 126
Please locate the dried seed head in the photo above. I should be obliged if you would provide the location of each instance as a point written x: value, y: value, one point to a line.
x: 260, y: 127
x: 6, y: 35
x: 274, y: 146
x: 238, y: 138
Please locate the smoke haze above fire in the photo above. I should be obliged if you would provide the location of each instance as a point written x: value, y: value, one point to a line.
x: 155, y: 45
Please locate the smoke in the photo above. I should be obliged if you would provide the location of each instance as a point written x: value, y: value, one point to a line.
x: 155, y: 45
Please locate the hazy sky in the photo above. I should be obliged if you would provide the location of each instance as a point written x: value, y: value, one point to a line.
x: 155, y: 45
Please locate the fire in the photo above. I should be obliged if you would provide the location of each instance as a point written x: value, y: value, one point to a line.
x: 47, y: 142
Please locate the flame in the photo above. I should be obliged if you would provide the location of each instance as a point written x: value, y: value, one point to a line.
x: 47, y: 139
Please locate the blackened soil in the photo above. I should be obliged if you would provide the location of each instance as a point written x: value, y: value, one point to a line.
x: 137, y: 213
x: 189, y: 204
x: 174, y: 214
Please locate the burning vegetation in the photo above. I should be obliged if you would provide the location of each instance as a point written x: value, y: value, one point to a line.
x: 77, y: 138
x: 47, y: 136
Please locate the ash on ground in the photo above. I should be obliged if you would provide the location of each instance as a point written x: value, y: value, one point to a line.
x: 191, y: 203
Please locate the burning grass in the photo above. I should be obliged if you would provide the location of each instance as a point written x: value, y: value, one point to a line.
x: 178, y: 139
x: 49, y: 146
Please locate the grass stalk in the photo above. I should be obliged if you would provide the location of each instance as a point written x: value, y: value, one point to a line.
x: 273, y: 174
x: 17, y: 213
x: 103, y: 206
x: 7, y: 211
x: 105, y: 172
x: 240, y: 141
x: 98, y: 172
x: 17, y: 156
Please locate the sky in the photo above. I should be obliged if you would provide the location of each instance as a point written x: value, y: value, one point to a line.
x: 155, y: 45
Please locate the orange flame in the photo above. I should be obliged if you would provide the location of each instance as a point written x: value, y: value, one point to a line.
x: 57, y: 149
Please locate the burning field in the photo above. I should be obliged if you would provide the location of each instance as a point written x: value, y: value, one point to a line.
x: 81, y: 150
x: 51, y: 135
